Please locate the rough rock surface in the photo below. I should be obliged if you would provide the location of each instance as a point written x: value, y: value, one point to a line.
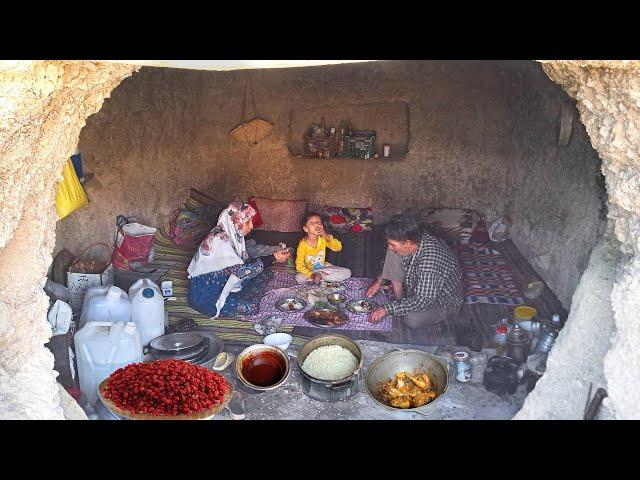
x: 43, y: 107
x: 468, y: 136
x: 577, y: 358
x: 483, y: 135
x: 608, y: 98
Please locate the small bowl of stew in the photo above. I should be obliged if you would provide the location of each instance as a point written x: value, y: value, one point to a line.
x: 262, y: 367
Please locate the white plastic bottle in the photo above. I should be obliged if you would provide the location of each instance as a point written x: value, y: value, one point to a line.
x: 102, y: 348
x: 147, y: 309
x: 106, y: 305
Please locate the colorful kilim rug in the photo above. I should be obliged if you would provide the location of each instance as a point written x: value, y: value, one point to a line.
x: 486, y: 274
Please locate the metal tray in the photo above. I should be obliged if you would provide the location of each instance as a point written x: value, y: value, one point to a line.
x: 190, y: 355
x: 283, y: 304
x: 352, y: 304
x: 204, y: 357
x: 176, y: 342
x: 325, y: 317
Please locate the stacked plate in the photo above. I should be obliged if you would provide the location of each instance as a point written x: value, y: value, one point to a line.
x: 193, y: 347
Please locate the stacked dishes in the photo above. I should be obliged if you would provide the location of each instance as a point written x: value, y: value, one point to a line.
x: 198, y: 348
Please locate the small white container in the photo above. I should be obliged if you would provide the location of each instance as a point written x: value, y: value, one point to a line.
x: 280, y: 340
x: 167, y: 288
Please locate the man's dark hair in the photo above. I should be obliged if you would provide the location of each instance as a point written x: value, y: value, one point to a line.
x: 403, y: 227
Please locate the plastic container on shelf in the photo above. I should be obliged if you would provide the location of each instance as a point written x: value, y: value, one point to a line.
x: 147, y: 309
x: 105, y: 304
x: 101, y: 349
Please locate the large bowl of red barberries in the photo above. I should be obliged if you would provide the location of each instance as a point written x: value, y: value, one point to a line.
x: 165, y: 390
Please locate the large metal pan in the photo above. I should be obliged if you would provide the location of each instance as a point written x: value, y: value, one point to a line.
x: 386, y: 366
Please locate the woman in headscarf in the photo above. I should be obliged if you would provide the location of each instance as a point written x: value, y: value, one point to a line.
x: 222, y: 271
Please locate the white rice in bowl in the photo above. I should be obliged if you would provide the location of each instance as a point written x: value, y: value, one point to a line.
x: 331, y: 362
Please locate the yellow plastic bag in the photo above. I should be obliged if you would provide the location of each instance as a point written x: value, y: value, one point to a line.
x: 70, y: 195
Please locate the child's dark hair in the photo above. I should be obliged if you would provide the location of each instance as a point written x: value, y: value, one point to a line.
x: 308, y: 215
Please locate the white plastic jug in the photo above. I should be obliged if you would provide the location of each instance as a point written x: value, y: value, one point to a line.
x: 92, y: 292
x: 105, y: 304
x: 101, y: 349
x: 147, y: 309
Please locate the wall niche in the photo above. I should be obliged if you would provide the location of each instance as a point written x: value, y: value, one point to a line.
x: 390, y: 120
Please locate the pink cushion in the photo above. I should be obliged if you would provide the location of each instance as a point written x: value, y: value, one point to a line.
x: 281, y: 215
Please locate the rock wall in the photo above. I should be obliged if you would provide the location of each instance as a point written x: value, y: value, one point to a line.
x: 483, y: 135
x: 163, y: 131
x: 577, y: 358
x: 43, y: 107
x: 608, y: 98
x: 555, y: 194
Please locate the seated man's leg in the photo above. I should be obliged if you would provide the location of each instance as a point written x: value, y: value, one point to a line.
x: 393, y: 271
x: 424, y: 319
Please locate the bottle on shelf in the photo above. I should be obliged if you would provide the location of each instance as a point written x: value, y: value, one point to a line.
x: 340, y: 146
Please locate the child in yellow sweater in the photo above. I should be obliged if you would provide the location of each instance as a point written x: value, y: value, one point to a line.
x: 310, y: 257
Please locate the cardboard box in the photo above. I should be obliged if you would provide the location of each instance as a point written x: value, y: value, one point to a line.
x: 78, y: 283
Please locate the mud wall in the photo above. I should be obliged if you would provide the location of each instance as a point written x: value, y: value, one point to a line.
x: 482, y: 135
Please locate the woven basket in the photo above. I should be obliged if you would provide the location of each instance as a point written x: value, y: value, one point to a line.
x: 252, y: 131
x: 91, y: 266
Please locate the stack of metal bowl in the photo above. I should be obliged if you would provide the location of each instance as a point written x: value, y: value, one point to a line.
x: 193, y: 347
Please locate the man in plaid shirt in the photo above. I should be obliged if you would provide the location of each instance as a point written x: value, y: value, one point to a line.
x: 429, y: 270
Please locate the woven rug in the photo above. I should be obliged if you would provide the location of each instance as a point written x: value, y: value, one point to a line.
x: 486, y: 274
x: 354, y: 289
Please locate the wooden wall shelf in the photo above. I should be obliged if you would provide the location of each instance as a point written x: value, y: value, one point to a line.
x: 390, y: 120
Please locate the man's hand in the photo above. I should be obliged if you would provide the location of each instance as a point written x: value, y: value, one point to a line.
x: 378, y: 314
x: 374, y: 288
x: 282, y: 255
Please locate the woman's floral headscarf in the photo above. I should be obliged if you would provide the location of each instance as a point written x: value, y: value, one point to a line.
x: 224, y: 246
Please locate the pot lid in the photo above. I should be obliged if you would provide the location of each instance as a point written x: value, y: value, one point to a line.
x: 176, y: 342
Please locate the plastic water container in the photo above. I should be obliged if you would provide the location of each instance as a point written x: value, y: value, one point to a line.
x: 101, y: 349
x: 147, y: 309
x: 105, y: 304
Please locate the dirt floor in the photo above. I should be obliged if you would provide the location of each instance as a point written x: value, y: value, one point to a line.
x: 461, y: 401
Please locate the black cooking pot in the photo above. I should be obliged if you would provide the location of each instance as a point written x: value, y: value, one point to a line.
x: 330, y: 390
x: 501, y: 375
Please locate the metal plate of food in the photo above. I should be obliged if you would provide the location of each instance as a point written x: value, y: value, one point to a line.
x: 325, y: 317
x: 176, y: 342
x: 290, y: 304
x: 361, y: 306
